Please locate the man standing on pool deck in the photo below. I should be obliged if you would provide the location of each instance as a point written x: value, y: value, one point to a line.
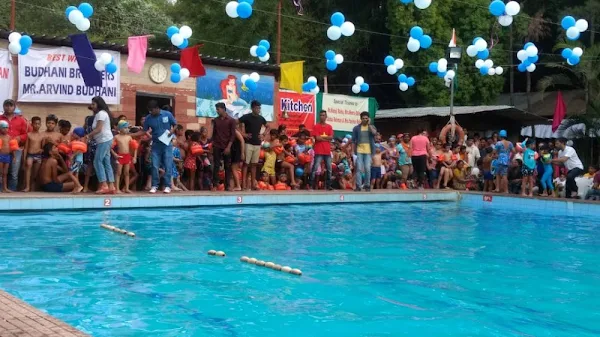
x: 323, y: 134
x: 222, y: 139
x: 250, y: 126
x: 159, y: 122
x: 363, y: 136
x: 569, y: 158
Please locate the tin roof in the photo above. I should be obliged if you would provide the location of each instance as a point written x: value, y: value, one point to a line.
x: 61, y: 41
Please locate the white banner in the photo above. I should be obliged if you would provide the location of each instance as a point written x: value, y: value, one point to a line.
x: 343, y: 112
x: 6, y: 76
x: 52, y: 75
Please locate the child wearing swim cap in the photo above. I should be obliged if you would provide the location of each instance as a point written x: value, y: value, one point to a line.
x: 122, y: 143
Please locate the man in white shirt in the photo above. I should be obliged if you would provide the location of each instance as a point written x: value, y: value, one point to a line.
x: 569, y: 158
x: 473, y: 154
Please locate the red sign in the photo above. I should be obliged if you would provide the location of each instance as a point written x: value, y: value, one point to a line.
x: 487, y: 198
x: 300, y: 109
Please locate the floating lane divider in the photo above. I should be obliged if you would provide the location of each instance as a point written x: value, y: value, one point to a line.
x: 117, y: 230
x: 271, y: 265
x: 216, y: 253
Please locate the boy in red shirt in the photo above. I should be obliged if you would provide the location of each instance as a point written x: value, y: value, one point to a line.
x: 323, y: 134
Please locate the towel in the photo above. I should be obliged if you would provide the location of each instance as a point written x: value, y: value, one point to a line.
x: 137, y: 47
x: 86, y: 57
x: 190, y: 59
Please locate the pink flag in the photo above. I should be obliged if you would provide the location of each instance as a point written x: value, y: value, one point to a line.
x: 137, y: 45
x: 560, y: 111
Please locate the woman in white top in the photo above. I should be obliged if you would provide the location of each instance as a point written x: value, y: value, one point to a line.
x: 569, y: 158
x: 102, y: 135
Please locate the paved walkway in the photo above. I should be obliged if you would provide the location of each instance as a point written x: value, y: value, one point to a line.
x: 19, y: 319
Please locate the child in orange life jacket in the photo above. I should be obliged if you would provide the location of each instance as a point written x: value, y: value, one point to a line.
x: 123, y: 144
x: 78, y: 148
x: 263, y: 184
x: 282, y: 183
x: 289, y: 167
x: 7, y: 146
x: 193, y: 151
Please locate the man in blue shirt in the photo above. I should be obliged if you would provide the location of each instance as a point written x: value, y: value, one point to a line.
x: 157, y: 123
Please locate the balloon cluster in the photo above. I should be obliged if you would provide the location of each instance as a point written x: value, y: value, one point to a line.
x: 19, y: 44
x: 487, y: 67
x: 261, y: 51
x: 80, y: 16
x: 106, y: 63
x: 573, y: 56
x: 478, y: 48
x: 440, y: 67
x: 418, y: 40
x: 421, y: 4
x: 503, y: 12
x: 333, y: 60
x: 528, y: 57
x: 360, y: 85
x: 178, y: 74
x: 241, y: 8
x: 573, y: 28
x: 179, y: 36
x: 250, y: 81
x: 406, y: 82
x: 393, y: 65
x: 311, y: 86
x: 340, y: 27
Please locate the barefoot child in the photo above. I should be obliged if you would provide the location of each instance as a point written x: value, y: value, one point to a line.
x: 270, y: 160
x: 5, y: 155
x: 78, y: 148
x: 191, y: 160
x: 376, y: 168
x: 177, y: 166
x: 33, y: 153
x: 528, y: 170
x: 51, y: 181
x: 64, y: 127
x: 546, y: 180
x: 50, y: 135
x: 123, y: 155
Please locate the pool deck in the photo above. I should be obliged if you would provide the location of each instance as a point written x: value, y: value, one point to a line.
x: 18, y: 318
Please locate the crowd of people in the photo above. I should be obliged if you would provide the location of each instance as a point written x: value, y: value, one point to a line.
x: 246, y: 154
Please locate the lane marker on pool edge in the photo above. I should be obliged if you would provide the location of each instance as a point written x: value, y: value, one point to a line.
x: 117, y: 230
x: 271, y: 265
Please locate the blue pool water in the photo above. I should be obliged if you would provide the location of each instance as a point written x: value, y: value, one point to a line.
x: 434, y: 269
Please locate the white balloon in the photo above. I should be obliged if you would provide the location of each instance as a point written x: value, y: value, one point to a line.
x: 398, y: 63
x: 14, y: 37
x: 442, y: 67
x: 99, y: 65
x: 356, y: 88
x: 14, y: 47
x: 185, y: 31
x: 255, y: 77
x: 315, y: 90
x: 472, y: 51
x: 422, y: 4
x: 492, y: 71
x: 265, y: 58
x: 347, y: 28
x: 512, y: 8
x: 334, y: 33
x: 392, y: 70
x: 488, y: 63
x: 531, y: 51
x: 443, y: 62
x: 479, y: 63
x: 499, y: 70
x: 572, y: 33
x: 521, y: 55
x: 231, y: 9
x: 75, y: 16
x: 450, y: 74
x: 505, y: 20
x: 403, y: 86
x: 244, y: 78
x: 413, y: 45
x: 106, y: 58
x: 481, y: 45
x: 531, y: 68
x: 339, y: 59
x: 83, y: 25
x: 359, y: 80
x: 312, y: 79
x: 581, y: 25
x: 177, y: 39
x: 253, y: 51
x: 184, y: 73
x: 577, y: 51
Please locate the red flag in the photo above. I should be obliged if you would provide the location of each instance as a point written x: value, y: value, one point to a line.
x: 560, y: 111
x: 190, y: 59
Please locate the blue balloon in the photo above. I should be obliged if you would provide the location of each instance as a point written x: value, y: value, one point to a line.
x: 410, y: 81
x: 299, y: 172
x: 533, y: 59
x: 175, y: 78
x: 244, y: 10
x: 440, y: 74
x: 305, y: 87
x: 175, y: 68
x: 475, y: 40
x: 567, y: 22
x: 24, y: 51
x: 389, y: 60
x: 331, y: 65
x: 402, y: 78
x: 433, y: 67
x: 261, y: 51
x: 329, y: 55
x: 497, y: 8
x: 527, y: 45
x: 566, y: 53
x: 111, y: 68
x: 69, y: 10
x: 184, y: 44
x: 265, y: 44
x: 25, y: 42
x: 311, y: 85
x: 574, y: 59
x: 250, y: 84
x: 484, y: 54
x: 86, y: 9
x: 251, y: 2
x: 522, y: 67
x: 364, y: 87
x: 337, y: 19
x: 416, y: 32
x: 406, y: 2
x: 172, y: 31
x: 526, y: 62
x: 483, y: 70
x: 425, y: 41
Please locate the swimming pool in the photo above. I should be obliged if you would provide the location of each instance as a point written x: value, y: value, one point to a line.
x: 396, y: 269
